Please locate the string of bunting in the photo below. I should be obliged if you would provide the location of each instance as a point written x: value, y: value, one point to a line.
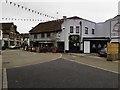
x: 21, y: 19
x: 25, y: 19
x: 30, y: 10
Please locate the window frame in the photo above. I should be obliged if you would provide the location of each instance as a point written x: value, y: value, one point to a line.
x: 42, y: 35
x: 77, y: 29
x: 86, y: 30
x: 48, y: 35
x: 93, y: 31
x: 71, y: 29
x: 35, y: 36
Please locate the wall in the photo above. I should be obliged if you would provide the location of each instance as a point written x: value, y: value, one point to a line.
x: 76, y: 22
x: 103, y: 29
x: 90, y: 25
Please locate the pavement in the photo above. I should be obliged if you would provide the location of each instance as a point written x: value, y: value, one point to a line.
x: 18, y: 58
x: 93, y: 61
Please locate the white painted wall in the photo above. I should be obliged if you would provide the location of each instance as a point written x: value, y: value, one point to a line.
x: 90, y: 25
x: 76, y: 22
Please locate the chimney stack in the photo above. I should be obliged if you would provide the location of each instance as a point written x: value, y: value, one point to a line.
x: 64, y: 17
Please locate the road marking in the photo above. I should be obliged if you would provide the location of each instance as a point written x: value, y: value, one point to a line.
x: 5, y: 83
x: 92, y: 66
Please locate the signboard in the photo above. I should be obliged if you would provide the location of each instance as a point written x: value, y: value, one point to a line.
x: 115, y: 29
x: 74, y: 38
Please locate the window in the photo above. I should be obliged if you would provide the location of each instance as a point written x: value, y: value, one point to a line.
x: 71, y: 29
x: 93, y: 31
x: 77, y: 29
x: 42, y: 35
x: 48, y: 34
x: 86, y: 30
x: 35, y: 36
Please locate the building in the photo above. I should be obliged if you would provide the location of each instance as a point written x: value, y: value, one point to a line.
x: 11, y: 37
x: 25, y: 39
x: 73, y: 34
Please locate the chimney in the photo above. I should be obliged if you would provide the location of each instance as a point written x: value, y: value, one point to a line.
x: 64, y: 17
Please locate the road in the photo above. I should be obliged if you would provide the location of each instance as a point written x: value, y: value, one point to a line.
x: 58, y: 72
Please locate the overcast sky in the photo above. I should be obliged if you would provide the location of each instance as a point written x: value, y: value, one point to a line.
x: 93, y: 10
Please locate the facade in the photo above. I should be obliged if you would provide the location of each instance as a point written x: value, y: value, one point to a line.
x: 11, y: 36
x: 68, y: 34
x: 74, y: 34
x: 45, y: 34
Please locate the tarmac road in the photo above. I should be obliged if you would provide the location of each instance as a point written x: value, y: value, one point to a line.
x: 54, y: 70
x: 60, y: 73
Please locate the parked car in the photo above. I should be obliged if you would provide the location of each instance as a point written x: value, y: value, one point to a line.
x: 14, y: 47
x: 103, y: 52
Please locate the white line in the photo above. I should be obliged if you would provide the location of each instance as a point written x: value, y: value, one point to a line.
x: 5, y: 83
x: 93, y: 66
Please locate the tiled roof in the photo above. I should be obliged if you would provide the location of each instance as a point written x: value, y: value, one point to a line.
x: 74, y: 17
x: 6, y: 27
x: 49, y: 26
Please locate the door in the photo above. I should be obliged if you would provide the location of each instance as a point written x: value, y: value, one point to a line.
x: 86, y: 46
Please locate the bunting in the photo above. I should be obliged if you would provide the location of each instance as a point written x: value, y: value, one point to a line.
x: 30, y: 10
x: 21, y: 19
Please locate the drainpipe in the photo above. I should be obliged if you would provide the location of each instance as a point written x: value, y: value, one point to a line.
x: 80, y: 34
x: 64, y: 38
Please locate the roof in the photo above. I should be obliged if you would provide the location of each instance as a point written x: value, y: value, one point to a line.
x: 50, y: 26
x: 24, y: 35
x: 74, y: 17
x: 6, y: 27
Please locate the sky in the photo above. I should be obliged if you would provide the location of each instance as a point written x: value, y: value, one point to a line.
x: 93, y: 10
